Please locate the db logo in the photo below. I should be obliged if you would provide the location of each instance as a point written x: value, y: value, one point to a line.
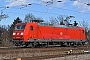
x: 61, y: 33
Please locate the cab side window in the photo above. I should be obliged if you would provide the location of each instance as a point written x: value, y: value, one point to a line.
x: 31, y: 28
x: 83, y: 31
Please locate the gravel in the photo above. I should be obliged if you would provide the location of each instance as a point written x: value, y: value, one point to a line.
x: 74, y: 57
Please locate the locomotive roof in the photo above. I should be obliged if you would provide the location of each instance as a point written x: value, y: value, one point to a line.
x: 46, y: 24
x: 20, y: 23
x: 64, y: 26
x: 38, y: 21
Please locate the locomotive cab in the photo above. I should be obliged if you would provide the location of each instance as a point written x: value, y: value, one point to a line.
x: 18, y: 32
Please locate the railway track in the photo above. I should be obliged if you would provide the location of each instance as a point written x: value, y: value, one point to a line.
x: 49, y: 56
x: 42, y: 53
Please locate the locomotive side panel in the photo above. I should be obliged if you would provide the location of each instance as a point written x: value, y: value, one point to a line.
x: 34, y: 31
x: 60, y: 33
x: 30, y: 31
x: 74, y: 33
x: 52, y: 33
x: 83, y: 34
x: 45, y: 32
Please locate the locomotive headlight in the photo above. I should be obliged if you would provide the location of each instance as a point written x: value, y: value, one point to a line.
x: 14, y: 33
x: 22, y: 33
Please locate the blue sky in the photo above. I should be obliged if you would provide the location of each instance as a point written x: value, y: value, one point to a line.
x: 40, y: 8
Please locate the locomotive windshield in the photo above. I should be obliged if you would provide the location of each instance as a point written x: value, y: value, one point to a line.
x: 19, y: 27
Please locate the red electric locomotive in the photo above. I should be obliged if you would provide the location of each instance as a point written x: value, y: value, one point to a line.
x: 32, y: 34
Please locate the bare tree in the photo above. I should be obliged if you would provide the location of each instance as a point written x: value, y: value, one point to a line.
x: 53, y: 20
x: 29, y: 17
x: 3, y: 35
x: 85, y: 25
x: 61, y: 19
x: 3, y: 16
x: 58, y: 20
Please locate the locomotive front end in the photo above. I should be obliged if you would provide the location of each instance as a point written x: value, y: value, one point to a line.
x: 17, y: 36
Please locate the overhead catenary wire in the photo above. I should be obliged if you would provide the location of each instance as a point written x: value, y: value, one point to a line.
x: 57, y: 8
x: 46, y: 12
x: 36, y: 11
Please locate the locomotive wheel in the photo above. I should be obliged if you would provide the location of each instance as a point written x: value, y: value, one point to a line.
x: 72, y: 44
x: 30, y: 45
x: 68, y: 44
x: 44, y: 45
x: 62, y: 44
x: 83, y: 43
